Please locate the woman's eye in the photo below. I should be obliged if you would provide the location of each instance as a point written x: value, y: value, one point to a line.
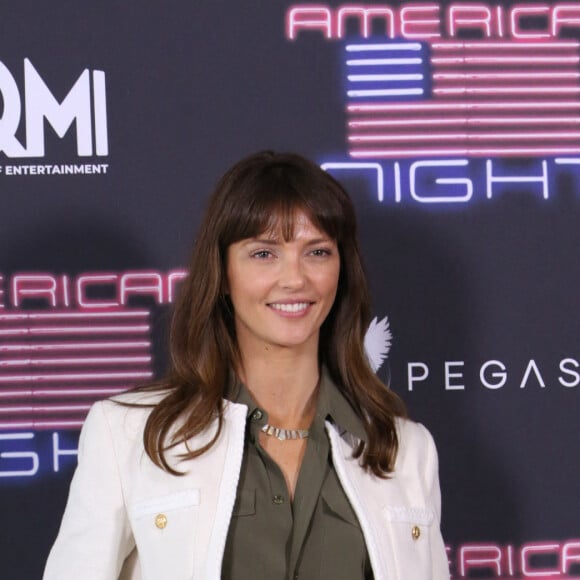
x: 261, y: 254
x: 321, y: 252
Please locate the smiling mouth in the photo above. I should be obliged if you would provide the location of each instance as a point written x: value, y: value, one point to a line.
x: 295, y: 307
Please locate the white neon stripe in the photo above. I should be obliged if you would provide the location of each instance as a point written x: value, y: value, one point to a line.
x: 512, y: 151
x: 527, y: 60
x: 101, y: 360
x: 73, y: 330
x: 370, y: 78
x: 394, y: 46
x: 464, y: 121
x: 73, y: 345
x: 44, y: 409
x: 69, y: 315
x: 461, y: 105
x: 491, y: 45
x: 74, y: 377
x: 385, y: 92
x: 530, y: 75
x: 549, y: 90
x: 383, y: 61
x: 464, y: 136
x: 71, y: 392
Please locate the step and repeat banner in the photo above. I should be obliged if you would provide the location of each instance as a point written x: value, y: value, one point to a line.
x: 456, y: 128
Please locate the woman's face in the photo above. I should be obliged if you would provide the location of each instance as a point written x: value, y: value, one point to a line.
x: 282, y: 291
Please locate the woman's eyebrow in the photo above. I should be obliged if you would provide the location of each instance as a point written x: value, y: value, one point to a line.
x: 317, y: 241
x: 265, y: 241
x: 276, y: 241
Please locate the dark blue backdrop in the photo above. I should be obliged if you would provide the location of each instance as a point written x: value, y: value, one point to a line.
x: 481, y: 294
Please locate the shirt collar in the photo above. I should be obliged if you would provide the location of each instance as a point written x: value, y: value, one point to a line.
x: 237, y: 392
x: 334, y: 406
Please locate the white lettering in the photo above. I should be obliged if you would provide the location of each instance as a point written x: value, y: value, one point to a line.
x: 57, y: 452
x: 449, y: 375
x: 40, y: 105
x: 446, y: 181
x: 532, y: 366
x: 565, y: 368
x: 30, y: 457
x: 412, y: 378
x: 491, y: 179
x: 500, y: 375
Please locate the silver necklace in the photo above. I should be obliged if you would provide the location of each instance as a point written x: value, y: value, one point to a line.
x: 285, y: 434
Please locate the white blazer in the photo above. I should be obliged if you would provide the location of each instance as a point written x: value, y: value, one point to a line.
x: 128, y: 519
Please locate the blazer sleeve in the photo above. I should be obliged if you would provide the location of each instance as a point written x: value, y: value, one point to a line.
x: 95, y: 536
x: 440, y: 561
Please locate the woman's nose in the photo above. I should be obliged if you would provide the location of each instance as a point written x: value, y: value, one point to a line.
x: 292, y: 273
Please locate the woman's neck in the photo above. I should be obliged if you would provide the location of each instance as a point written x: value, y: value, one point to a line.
x: 285, y: 385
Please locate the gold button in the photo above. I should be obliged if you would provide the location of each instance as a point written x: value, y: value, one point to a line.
x: 416, y: 532
x: 160, y: 521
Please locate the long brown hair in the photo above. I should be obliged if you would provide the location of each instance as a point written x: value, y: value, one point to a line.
x: 262, y: 193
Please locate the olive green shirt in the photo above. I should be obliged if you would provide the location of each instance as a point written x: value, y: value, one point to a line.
x: 315, y: 537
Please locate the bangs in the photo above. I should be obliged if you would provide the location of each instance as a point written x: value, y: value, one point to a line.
x: 277, y: 217
x: 269, y: 203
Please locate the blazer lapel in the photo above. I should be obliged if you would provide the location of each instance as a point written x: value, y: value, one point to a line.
x: 361, y: 490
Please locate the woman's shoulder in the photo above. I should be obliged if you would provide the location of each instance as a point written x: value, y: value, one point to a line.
x: 139, y: 398
x: 415, y: 441
x: 409, y: 428
x: 126, y: 412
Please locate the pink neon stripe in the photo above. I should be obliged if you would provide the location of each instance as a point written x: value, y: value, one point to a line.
x: 530, y: 75
x: 66, y: 392
x: 467, y: 121
x: 463, y: 136
x: 463, y: 106
x: 101, y: 360
x: 508, y: 90
x: 44, y: 409
x: 71, y: 315
x: 505, y: 60
x: 43, y: 378
x: 494, y: 45
x: 476, y: 151
x: 42, y: 347
x: 59, y: 424
x: 41, y: 331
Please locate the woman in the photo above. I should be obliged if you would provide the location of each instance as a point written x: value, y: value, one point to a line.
x: 271, y: 450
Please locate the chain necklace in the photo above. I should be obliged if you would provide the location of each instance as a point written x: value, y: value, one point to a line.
x: 285, y: 434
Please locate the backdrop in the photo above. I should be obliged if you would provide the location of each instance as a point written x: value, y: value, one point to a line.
x: 456, y: 128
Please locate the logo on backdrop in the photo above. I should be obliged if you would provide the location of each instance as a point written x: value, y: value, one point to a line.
x: 378, y: 339
x: 543, y: 559
x: 66, y: 342
x: 32, y: 109
x: 445, y: 105
x: 491, y: 375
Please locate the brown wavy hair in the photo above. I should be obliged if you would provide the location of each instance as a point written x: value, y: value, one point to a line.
x: 259, y: 194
